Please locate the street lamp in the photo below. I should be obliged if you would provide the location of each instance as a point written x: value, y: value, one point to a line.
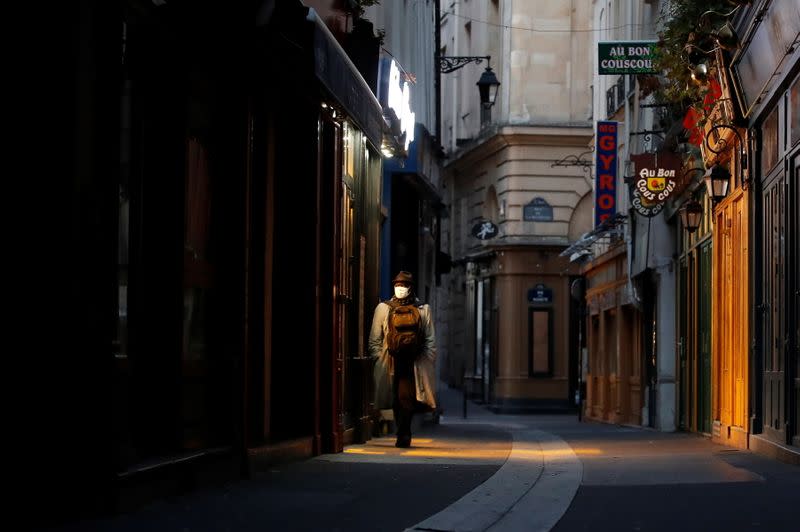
x: 487, y: 84
x: 691, y: 213
x: 487, y: 87
x: 717, y: 179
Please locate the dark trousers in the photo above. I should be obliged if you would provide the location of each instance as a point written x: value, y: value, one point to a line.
x: 405, y: 397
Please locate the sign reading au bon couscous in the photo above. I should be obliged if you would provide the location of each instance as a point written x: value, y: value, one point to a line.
x: 626, y: 57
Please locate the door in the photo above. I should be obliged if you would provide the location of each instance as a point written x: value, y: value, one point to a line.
x: 345, y: 304
x: 483, y: 338
x: 704, y: 340
x: 772, y: 306
x: 486, y: 337
x: 795, y: 294
x: 684, y: 398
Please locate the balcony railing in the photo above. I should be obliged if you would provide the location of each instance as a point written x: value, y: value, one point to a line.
x: 618, y: 92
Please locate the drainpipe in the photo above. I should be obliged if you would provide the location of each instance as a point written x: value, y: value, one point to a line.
x: 437, y: 76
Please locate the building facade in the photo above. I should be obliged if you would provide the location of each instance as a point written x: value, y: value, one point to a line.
x: 213, y: 209
x: 517, y: 193
x: 712, y: 304
x: 407, y: 89
x: 736, y: 321
x: 765, y: 73
x: 626, y: 259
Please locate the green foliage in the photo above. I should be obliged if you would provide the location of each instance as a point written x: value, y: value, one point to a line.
x: 684, y: 41
x: 357, y: 7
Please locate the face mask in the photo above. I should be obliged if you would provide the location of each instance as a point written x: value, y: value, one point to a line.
x: 401, y: 292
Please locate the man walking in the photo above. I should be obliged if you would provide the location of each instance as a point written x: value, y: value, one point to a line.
x: 403, y: 344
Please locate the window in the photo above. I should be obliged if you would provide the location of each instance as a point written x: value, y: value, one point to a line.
x: 350, y: 150
x: 756, y: 66
x: 794, y: 112
x: 615, y: 96
x: 540, y: 342
x: 769, y: 148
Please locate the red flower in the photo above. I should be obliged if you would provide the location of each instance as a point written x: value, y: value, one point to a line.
x: 712, y: 95
x: 690, y: 121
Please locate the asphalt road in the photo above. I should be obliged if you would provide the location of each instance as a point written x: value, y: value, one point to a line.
x: 496, y: 473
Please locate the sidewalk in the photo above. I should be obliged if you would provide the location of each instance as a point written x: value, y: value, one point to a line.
x: 369, y: 487
x: 498, y: 473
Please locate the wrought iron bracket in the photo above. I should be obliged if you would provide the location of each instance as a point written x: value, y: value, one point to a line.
x: 648, y: 134
x: 723, y: 146
x: 451, y: 63
x: 574, y: 160
x: 690, y: 170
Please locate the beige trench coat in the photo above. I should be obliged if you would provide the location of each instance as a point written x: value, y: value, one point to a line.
x: 424, y: 365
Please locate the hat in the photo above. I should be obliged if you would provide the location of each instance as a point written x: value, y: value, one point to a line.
x: 403, y: 277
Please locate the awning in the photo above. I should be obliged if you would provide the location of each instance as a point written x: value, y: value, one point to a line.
x: 339, y: 75
x: 582, y: 246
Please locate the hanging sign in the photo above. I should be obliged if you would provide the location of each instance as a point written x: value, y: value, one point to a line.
x: 538, y: 210
x: 654, y: 181
x: 484, y: 230
x: 626, y: 57
x: 605, y: 187
x: 394, y: 92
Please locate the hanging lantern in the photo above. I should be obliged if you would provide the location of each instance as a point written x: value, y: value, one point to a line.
x: 718, y: 180
x: 726, y: 37
x: 700, y: 73
x: 691, y: 214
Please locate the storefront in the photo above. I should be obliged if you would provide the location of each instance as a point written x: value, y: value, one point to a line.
x: 206, y: 210
x: 694, y: 321
x: 765, y: 75
x: 513, y: 326
x: 615, y: 342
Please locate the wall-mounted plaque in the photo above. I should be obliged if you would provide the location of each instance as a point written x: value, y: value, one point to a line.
x: 538, y: 210
x: 540, y: 294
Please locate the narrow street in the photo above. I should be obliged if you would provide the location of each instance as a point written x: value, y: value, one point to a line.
x: 498, y: 473
x: 275, y: 225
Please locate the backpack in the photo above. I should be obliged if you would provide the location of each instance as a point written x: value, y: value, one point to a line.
x: 403, y: 336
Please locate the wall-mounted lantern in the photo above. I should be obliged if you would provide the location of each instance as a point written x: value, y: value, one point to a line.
x: 718, y: 180
x: 691, y: 214
x: 487, y: 87
x: 487, y: 84
x: 726, y: 37
x: 700, y: 73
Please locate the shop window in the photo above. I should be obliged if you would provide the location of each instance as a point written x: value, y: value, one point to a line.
x: 756, y: 67
x: 794, y: 112
x: 479, y: 354
x: 540, y: 342
x: 594, y: 349
x: 769, y: 142
x: 120, y: 343
x: 611, y: 346
x: 350, y: 150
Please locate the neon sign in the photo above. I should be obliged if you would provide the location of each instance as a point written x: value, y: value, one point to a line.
x: 399, y: 100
